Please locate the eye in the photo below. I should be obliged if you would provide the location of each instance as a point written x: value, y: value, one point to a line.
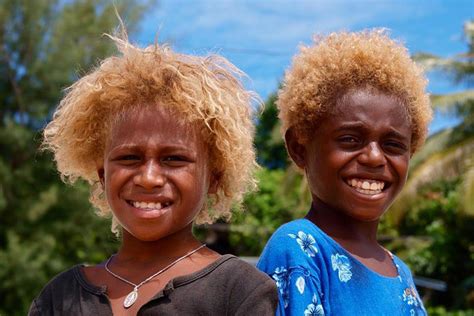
x: 349, y: 141
x: 129, y: 157
x: 395, y: 147
x: 175, y: 160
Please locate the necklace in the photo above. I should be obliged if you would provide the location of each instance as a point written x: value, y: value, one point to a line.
x: 132, y: 296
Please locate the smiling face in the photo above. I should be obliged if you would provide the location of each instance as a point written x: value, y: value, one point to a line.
x: 356, y: 161
x: 155, y: 174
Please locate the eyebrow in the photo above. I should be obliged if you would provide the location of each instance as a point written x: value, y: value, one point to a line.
x: 359, y: 125
x: 165, y: 148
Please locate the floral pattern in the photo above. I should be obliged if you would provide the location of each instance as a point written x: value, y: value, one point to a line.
x: 409, y: 296
x: 305, y: 263
x: 314, y: 309
x: 306, y: 242
x: 282, y: 279
x: 341, y: 264
x: 300, y: 284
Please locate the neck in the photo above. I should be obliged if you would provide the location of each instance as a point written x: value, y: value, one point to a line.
x: 340, y: 226
x: 169, y: 247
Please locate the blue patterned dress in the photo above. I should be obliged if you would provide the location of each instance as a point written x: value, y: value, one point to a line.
x: 316, y: 276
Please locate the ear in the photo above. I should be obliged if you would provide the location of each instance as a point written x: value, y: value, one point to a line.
x: 296, y: 150
x: 100, y: 173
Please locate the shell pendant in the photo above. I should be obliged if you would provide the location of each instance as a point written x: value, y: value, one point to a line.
x: 131, y: 298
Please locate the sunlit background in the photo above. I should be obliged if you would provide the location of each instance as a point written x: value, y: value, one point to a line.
x: 47, y: 226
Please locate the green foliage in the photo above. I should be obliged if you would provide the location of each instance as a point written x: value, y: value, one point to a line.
x: 442, y: 243
x: 441, y: 311
x: 271, y: 150
x: 278, y: 201
x: 46, y: 226
x: 44, y: 44
x: 447, y: 154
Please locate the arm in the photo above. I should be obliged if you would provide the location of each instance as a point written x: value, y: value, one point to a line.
x: 34, y: 309
x: 298, y: 292
x: 262, y: 300
x: 291, y: 258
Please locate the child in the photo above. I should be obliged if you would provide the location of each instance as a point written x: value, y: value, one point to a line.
x: 354, y: 110
x: 165, y: 140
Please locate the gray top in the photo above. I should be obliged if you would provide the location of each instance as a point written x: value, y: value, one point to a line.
x: 228, y: 286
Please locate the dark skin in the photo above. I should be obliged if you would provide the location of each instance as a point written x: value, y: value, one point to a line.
x: 156, y: 178
x: 356, y: 163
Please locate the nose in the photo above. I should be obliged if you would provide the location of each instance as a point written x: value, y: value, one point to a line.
x: 150, y: 175
x: 372, y: 155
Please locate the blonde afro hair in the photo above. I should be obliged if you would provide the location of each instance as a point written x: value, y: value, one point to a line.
x: 321, y: 74
x: 203, y: 90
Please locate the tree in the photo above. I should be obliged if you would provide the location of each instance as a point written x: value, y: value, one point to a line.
x: 45, y: 225
x: 271, y: 151
x: 447, y: 154
x: 434, y: 215
x: 279, y: 200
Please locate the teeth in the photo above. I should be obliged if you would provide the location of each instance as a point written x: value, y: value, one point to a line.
x: 370, y: 187
x: 145, y: 205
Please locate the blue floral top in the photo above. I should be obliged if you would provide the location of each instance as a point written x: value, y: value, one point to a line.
x: 316, y: 276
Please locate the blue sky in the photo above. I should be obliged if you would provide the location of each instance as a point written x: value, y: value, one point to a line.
x: 260, y: 37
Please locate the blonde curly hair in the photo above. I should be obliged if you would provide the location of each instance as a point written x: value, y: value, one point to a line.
x: 321, y: 74
x: 203, y: 90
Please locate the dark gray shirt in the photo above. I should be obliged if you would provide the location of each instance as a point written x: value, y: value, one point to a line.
x: 228, y: 286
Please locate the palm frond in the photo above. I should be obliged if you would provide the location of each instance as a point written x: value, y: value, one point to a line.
x: 451, y: 162
x: 435, y: 143
x: 446, y: 101
x: 445, y: 164
x: 431, y: 62
x: 468, y: 188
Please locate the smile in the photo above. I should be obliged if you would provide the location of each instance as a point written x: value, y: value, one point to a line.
x: 366, y: 186
x: 149, y: 205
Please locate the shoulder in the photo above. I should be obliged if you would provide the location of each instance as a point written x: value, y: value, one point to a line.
x: 403, y: 268
x: 293, y: 243
x: 56, y: 289
x: 63, y: 280
x: 250, y: 290
x: 294, y: 231
x: 240, y: 273
x: 234, y: 285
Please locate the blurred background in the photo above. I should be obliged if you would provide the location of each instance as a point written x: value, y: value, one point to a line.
x: 47, y: 226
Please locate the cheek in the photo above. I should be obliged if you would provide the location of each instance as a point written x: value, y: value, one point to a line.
x: 193, y: 181
x: 319, y: 174
x: 116, y: 180
x: 401, y: 168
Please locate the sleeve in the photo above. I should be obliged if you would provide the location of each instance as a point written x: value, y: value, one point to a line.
x: 295, y: 271
x: 34, y: 309
x: 261, y: 301
x: 43, y: 304
x: 300, y: 295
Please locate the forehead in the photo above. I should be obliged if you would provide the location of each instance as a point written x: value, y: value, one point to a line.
x: 371, y: 108
x: 152, y: 124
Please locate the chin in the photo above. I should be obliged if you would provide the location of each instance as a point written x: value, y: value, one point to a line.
x: 365, y: 213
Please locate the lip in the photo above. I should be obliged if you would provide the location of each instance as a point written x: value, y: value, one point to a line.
x: 368, y: 197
